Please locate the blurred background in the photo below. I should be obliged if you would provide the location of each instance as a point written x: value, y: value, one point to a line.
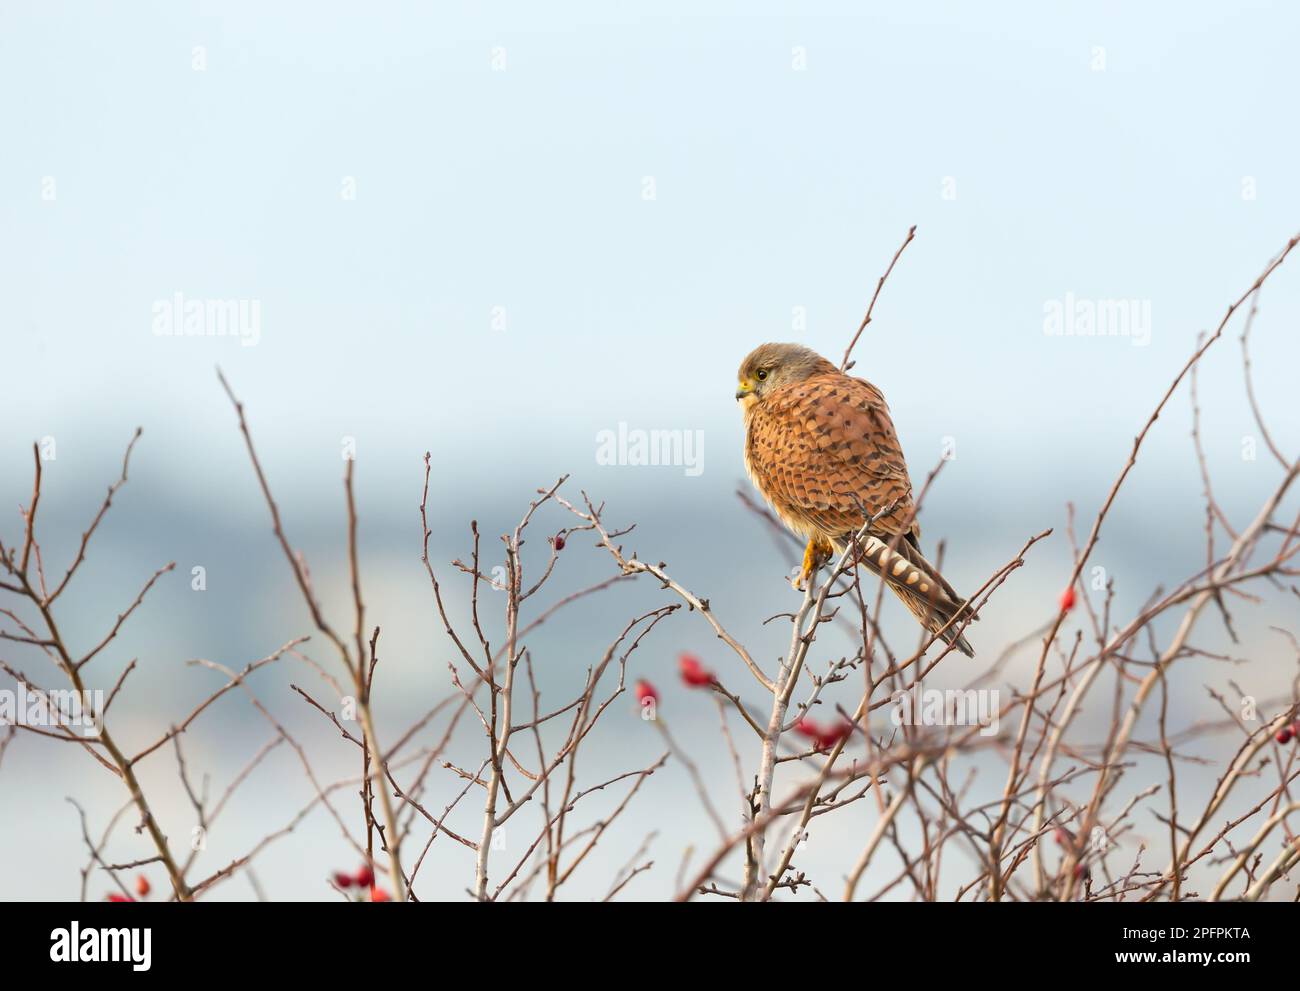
x: 492, y: 231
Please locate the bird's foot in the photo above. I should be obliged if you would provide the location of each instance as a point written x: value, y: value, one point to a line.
x: 817, y: 553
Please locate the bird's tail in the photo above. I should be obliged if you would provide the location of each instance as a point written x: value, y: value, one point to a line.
x: 923, y: 590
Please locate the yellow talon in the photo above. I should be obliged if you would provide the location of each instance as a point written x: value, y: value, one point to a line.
x: 816, y: 554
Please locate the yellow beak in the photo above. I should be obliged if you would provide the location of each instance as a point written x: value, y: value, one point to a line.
x: 746, y: 389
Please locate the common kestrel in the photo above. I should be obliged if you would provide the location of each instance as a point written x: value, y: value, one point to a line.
x: 821, y: 448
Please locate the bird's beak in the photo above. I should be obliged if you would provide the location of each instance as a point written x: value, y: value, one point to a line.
x: 745, y: 389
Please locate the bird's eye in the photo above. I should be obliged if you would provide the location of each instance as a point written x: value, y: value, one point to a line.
x: 761, y: 374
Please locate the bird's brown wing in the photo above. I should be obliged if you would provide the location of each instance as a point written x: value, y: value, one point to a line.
x: 824, y: 449
x: 824, y: 452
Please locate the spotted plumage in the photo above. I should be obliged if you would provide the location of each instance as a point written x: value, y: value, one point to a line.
x: 821, y: 448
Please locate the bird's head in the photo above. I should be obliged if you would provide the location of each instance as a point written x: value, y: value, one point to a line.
x: 771, y: 366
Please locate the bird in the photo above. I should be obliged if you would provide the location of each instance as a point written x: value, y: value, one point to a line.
x: 821, y: 449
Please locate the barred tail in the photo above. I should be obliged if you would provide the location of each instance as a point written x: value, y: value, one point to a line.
x: 923, y: 590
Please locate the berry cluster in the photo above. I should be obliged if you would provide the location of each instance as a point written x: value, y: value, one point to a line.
x: 364, y: 883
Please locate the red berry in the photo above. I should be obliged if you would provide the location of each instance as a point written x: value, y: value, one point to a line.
x: 831, y: 737
x: 364, y: 877
x: 343, y: 880
x: 694, y: 673
x: 559, y: 541
x: 824, y: 737
x: 1285, y: 735
x: 1067, y: 599
x: 142, y: 886
x: 380, y: 895
x: 645, y: 692
x: 807, y: 728
x: 117, y: 896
